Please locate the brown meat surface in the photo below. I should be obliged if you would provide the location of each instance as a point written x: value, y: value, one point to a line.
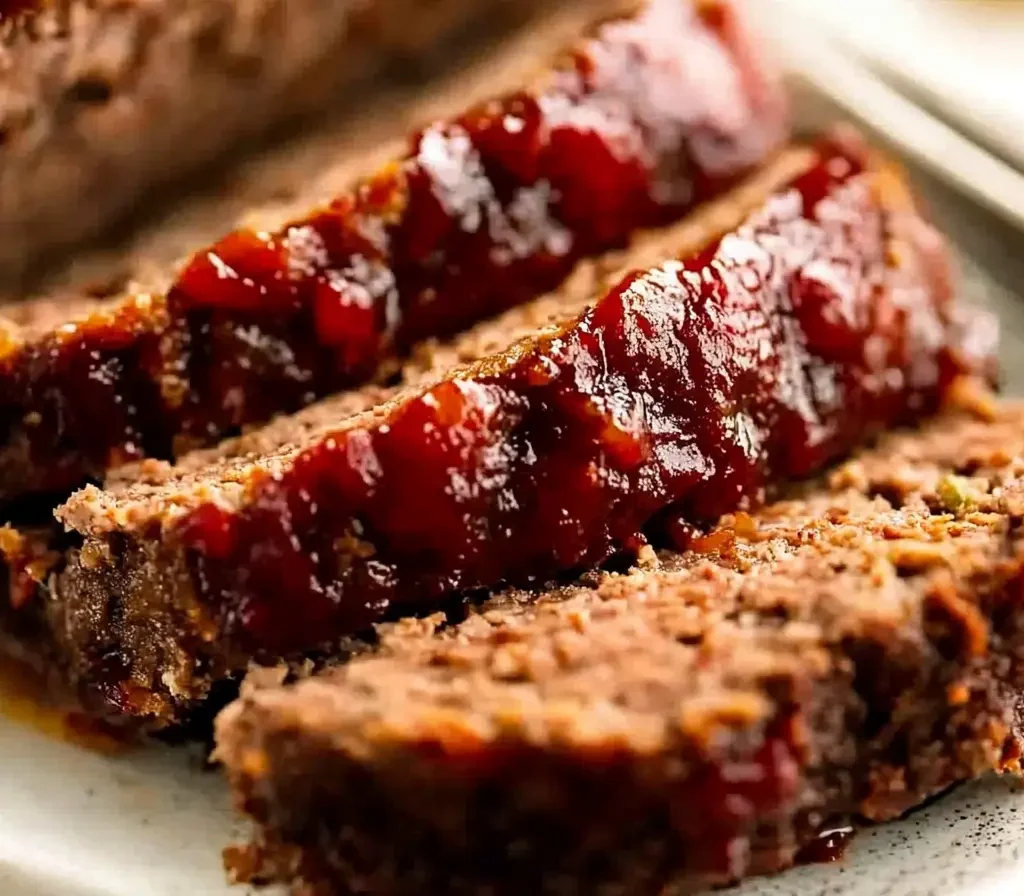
x: 844, y: 653
x: 104, y: 101
x: 270, y: 184
x: 669, y: 104
x: 133, y: 638
x: 176, y: 577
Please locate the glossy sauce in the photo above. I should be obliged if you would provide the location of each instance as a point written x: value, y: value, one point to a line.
x: 684, y: 393
x: 828, y: 847
x: 485, y: 210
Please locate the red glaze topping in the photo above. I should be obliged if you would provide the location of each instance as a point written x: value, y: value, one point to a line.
x: 640, y: 122
x: 11, y: 8
x: 683, y: 393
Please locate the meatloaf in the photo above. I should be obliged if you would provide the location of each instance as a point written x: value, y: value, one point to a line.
x: 281, y: 179
x: 844, y: 653
x: 647, y: 405
x: 633, y: 125
x: 103, y: 100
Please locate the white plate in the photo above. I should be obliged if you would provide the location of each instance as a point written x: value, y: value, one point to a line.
x: 961, y: 57
x: 74, y: 822
x: 78, y: 823
x: 811, y: 43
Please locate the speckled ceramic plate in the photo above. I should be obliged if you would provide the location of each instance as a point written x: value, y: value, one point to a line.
x: 153, y: 822
x: 77, y: 823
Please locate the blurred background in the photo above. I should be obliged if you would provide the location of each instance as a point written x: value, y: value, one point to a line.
x: 961, y: 59
x: 942, y: 83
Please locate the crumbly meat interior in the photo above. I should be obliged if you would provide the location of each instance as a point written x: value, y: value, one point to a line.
x: 846, y: 652
x: 184, y: 597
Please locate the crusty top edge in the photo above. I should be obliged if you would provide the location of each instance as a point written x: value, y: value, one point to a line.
x: 157, y: 491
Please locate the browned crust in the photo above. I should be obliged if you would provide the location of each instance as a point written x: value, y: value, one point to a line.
x: 273, y: 184
x: 136, y: 627
x: 133, y: 598
x: 138, y: 496
x: 847, y: 652
x: 103, y: 100
x: 153, y: 375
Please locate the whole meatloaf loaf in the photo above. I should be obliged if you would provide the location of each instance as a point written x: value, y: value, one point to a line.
x: 648, y: 403
x: 630, y: 127
x: 845, y: 653
x: 103, y: 100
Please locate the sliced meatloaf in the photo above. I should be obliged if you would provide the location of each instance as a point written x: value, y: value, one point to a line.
x: 633, y: 125
x: 280, y: 180
x: 648, y: 404
x: 103, y: 100
x: 845, y: 653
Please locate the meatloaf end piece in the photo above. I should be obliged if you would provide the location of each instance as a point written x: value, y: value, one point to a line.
x: 103, y: 100
x: 280, y: 181
x: 845, y: 653
x: 646, y: 406
x: 631, y: 126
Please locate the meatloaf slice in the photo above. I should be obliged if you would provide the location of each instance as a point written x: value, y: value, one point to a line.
x: 847, y: 652
x: 127, y: 648
x: 654, y: 404
x: 630, y: 127
x: 102, y: 100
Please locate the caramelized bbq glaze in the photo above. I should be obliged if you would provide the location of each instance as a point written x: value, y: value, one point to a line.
x: 680, y: 395
x: 11, y: 8
x: 649, y: 116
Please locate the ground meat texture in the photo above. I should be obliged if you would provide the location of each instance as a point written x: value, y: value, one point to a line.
x: 104, y: 101
x: 632, y: 126
x: 837, y: 654
x: 674, y: 395
x: 135, y: 645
